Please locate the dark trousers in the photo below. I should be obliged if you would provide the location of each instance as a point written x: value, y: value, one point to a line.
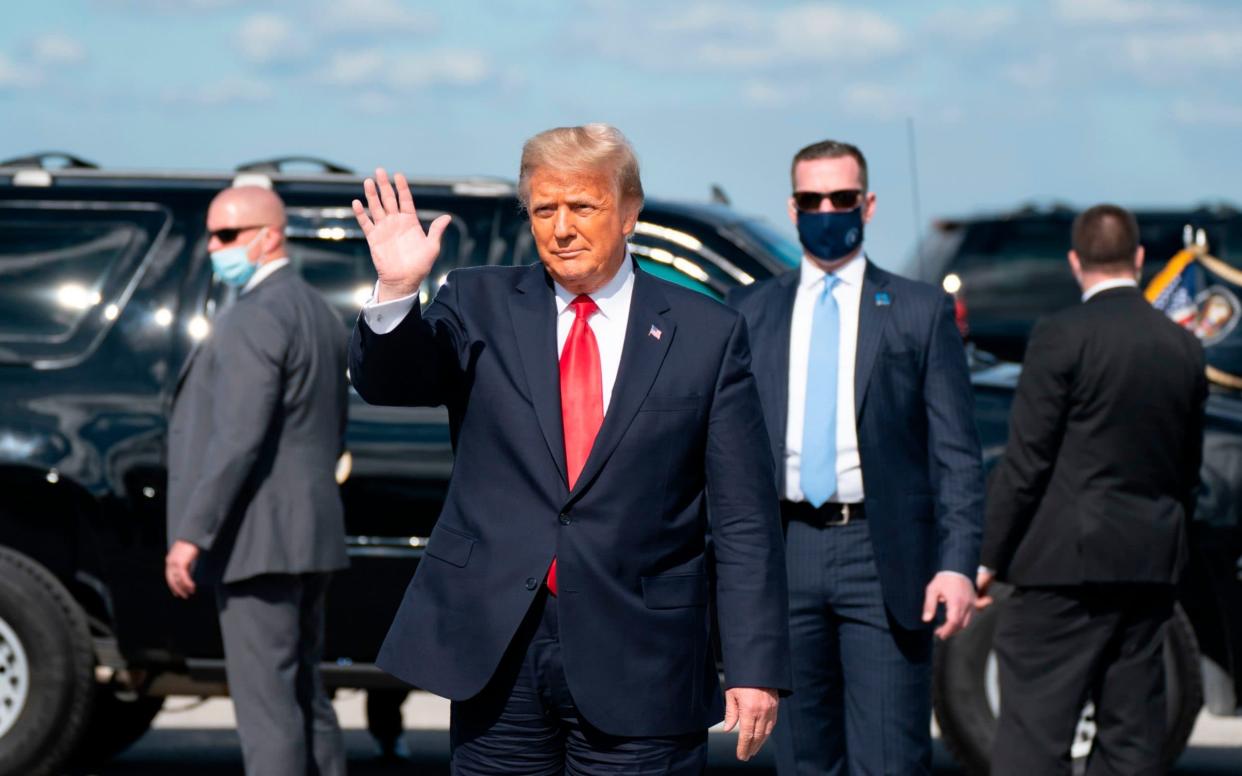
x: 273, y: 641
x: 525, y: 721
x: 1059, y: 647
x: 862, y: 685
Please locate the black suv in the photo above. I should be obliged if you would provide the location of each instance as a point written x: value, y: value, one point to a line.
x: 1006, y: 270
x: 106, y: 284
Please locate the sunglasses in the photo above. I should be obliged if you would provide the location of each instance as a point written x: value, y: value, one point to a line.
x: 843, y: 199
x: 230, y: 234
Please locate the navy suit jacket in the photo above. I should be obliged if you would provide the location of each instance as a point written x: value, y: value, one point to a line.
x: 914, y: 408
x: 682, y: 443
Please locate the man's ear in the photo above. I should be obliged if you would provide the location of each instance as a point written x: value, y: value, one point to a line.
x: 1139, y: 256
x: 793, y: 212
x: 1075, y: 265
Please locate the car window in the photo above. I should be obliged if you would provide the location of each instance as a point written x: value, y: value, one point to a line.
x: 66, y: 271
x: 328, y: 248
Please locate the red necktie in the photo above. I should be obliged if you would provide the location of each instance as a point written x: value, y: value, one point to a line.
x: 582, y: 396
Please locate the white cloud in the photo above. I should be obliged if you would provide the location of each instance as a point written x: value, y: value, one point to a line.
x: 1166, y: 55
x: 407, y: 71
x: 767, y: 93
x: 975, y: 24
x: 267, y: 38
x: 56, y: 49
x: 719, y: 36
x: 227, y: 91
x: 1207, y: 113
x: 373, y: 16
x: 17, y: 75
x: 1125, y: 12
x: 1034, y: 74
x: 876, y: 102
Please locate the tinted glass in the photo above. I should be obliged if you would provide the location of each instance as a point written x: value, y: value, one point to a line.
x: 63, y: 273
x: 330, y: 251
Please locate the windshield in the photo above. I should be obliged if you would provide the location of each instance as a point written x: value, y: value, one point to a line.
x: 774, y: 241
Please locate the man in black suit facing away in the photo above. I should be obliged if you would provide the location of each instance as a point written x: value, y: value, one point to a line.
x: 1086, y: 515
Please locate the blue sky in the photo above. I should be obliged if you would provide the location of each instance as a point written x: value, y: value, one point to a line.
x: 1137, y: 101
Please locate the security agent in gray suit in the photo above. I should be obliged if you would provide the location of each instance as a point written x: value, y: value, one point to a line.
x: 257, y: 425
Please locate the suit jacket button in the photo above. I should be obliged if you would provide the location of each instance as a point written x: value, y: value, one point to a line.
x: 565, y: 519
x: 531, y: 583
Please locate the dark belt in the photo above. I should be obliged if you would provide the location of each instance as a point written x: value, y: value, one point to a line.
x: 827, y: 515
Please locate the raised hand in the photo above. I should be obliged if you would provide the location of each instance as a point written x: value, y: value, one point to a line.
x: 402, y: 253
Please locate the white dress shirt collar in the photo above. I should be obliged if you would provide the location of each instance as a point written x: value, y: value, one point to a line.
x: 1107, y: 285
x: 263, y: 272
x: 851, y: 273
x: 612, y: 299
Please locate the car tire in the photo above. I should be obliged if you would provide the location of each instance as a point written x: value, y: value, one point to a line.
x: 116, y: 722
x: 46, y: 686
x: 965, y: 704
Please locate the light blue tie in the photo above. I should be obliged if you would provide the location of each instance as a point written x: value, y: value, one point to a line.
x: 819, y: 424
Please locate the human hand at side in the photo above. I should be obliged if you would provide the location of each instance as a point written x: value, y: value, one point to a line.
x: 401, y: 251
x: 957, y: 594
x: 178, y: 564
x: 752, y: 710
x: 983, y: 581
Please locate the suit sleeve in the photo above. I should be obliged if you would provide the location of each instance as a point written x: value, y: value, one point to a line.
x: 751, y: 597
x: 245, y: 396
x: 417, y: 364
x: 1193, y: 460
x: 953, y: 446
x: 1036, y: 427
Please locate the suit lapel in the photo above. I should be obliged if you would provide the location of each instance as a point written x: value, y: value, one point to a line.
x: 641, y: 357
x: 873, y: 312
x: 778, y: 376
x: 532, y: 308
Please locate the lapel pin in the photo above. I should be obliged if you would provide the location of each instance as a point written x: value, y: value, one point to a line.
x: 882, y: 299
x: 655, y: 333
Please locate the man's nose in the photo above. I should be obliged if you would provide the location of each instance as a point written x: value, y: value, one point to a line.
x: 562, y: 228
x: 214, y: 244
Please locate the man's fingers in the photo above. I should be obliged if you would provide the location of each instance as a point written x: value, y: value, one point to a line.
x: 373, y: 200
x: 983, y: 602
x: 364, y: 223
x: 405, y: 200
x: 745, y: 734
x: 436, y: 229
x: 930, y: 599
x: 731, y: 712
x: 387, y: 195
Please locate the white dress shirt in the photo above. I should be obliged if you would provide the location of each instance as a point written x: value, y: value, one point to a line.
x: 263, y: 271
x: 1105, y: 285
x: 848, y: 294
x: 608, y: 325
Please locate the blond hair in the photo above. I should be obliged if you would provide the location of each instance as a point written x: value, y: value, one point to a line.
x: 591, y: 148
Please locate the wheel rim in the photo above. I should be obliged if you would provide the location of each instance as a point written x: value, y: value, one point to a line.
x: 14, y: 678
x: 1084, y: 732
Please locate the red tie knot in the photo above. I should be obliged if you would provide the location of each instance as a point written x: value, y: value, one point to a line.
x: 584, y: 306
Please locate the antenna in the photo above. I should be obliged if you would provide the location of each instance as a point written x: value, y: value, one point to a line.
x: 914, y: 199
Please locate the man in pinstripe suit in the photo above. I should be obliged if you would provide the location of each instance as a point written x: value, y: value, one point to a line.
x: 868, y: 404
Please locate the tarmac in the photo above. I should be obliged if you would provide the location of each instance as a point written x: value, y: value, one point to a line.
x: 196, y: 737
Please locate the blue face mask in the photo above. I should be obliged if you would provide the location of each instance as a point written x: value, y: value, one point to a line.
x: 233, y: 266
x: 830, y: 236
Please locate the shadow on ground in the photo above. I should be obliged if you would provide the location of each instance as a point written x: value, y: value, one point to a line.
x: 216, y: 753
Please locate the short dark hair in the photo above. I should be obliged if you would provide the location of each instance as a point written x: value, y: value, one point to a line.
x: 1105, y: 236
x: 830, y: 149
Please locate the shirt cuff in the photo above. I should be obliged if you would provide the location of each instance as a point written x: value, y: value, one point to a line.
x: 383, y: 317
x: 960, y: 574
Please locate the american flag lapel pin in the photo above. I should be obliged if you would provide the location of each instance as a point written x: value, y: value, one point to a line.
x: 882, y: 299
x: 655, y: 332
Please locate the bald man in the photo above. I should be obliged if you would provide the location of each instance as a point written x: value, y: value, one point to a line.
x: 258, y: 420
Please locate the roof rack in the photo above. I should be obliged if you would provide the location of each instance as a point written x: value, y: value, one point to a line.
x: 280, y: 163
x: 40, y: 161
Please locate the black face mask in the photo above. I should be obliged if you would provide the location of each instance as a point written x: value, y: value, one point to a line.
x: 830, y: 236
